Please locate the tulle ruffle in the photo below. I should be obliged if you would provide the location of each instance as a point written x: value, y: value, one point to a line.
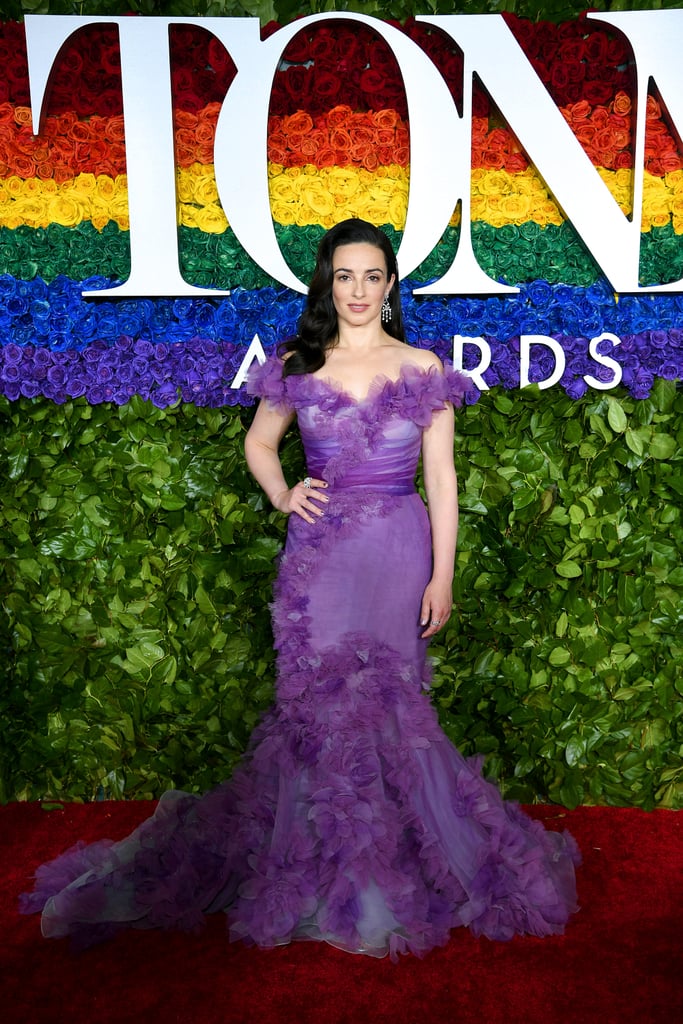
x: 416, y: 394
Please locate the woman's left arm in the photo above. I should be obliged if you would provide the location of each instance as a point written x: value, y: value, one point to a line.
x: 441, y: 486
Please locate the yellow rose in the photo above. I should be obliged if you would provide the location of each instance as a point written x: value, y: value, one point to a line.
x: 184, y: 186
x: 516, y: 208
x: 674, y: 180
x: 282, y: 213
x: 14, y: 186
x: 342, y: 181
x: 677, y: 205
x: 33, y: 186
x: 118, y: 209
x: 660, y: 220
x: 493, y: 215
x: 33, y: 211
x: 624, y: 178
x: 398, y: 208
x: 65, y: 209
x: 547, y: 212
x: 282, y: 189
x: 529, y: 183
x: 106, y: 187
x: 318, y: 200
x: 187, y: 215
x: 204, y: 185
x: 302, y: 216
x: 85, y: 184
x: 495, y: 183
x: 211, y: 219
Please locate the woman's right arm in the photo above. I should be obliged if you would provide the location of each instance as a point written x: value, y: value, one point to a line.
x: 261, y: 447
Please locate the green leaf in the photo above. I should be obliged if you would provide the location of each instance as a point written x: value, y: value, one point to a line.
x: 568, y: 569
x: 662, y: 446
x: 616, y: 417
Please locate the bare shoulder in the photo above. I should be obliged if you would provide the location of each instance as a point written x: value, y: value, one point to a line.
x: 423, y: 358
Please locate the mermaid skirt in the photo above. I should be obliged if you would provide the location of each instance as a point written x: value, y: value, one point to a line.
x: 352, y: 818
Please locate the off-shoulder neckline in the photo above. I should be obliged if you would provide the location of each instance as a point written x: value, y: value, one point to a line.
x: 379, y: 383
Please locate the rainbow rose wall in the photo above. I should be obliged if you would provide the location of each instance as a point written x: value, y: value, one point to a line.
x: 138, y: 555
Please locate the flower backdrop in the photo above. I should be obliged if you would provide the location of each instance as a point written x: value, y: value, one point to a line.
x: 137, y: 554
x: 339, y: 146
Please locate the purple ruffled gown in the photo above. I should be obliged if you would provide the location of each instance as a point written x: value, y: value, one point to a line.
x: 351, y: 818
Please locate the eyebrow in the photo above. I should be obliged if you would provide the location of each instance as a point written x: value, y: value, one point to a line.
x: 348, y: 270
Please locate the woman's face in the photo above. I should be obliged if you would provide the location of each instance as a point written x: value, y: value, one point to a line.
x: 359, y: 283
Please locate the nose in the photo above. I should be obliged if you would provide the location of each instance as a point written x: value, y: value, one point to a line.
x: 359, y: 287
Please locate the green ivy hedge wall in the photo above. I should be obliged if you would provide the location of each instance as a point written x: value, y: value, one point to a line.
x: 137, y: 558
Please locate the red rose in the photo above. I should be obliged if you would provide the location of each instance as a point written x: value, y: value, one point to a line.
x: 598, y: 93
x: 296, y: 83
x: 571, y: 51
x: 323, y: 48
x: 596, y: 47
x: 297, y: 50
x: 326, y: 87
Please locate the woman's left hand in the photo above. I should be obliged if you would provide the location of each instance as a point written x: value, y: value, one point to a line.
x: 437, y: 603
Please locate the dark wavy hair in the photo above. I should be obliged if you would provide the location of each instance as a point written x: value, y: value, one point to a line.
x: 317, y: 328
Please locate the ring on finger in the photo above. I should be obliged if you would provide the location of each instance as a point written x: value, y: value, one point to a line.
x: 307, y: 482
x: 435, y: 622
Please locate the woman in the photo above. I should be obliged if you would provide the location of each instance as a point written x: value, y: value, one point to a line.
x: 352, y: 818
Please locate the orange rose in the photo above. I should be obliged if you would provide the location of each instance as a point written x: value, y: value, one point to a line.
x: 498, y: 140
x: 385, y: 119
x: 204, y: 154
x: 623, y: 160
x: 297, y: 124
x: 670, y: 161
x: 580, y: 111
x: 360, y: 151
x: 210, y: 112
x: 309, y: 148
x: 80, y: 131
x: 65, y: 122
x: 62, y: 173
x: 371, y: 160
x: 117, y: 155
x: 340, y: 140
x: 206, y: 133
x: 326, y: 157
x: 23, y: 165
x: 114, y: 129
x: 45, y: 169
x: 338, y: 115
x: 277, y: 147
x: 186, y: 119
x: 622, y: 104
x: 23, y: 115
x: 653, y: 110
x: 6, y: 113
x: 492, y: 160
x: 384, y: 137
x: 516, y: 162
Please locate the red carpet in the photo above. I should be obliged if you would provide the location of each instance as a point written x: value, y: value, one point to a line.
x: 620, y: 962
